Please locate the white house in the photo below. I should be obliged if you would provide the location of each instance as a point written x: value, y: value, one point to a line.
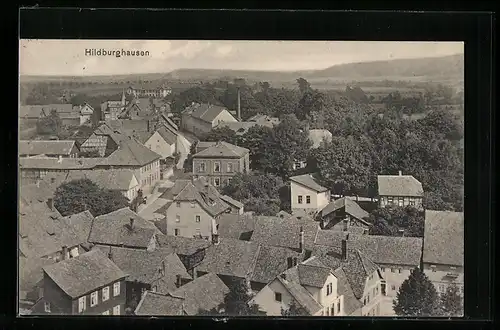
x: 307, y: 195
x: 200, y: 119
x: 400, y: 190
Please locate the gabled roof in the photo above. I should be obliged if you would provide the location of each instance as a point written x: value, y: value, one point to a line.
x: 235, y: 225
x: 399, y: 185
x: 145, y: 266
x: 55, y: 163
x: 444, y: 238
x: 351, y: 207
x: 158, y: 304
x: 319, y: 135
x: 35, y: 193
x: 113, y: 179
x: 205, y: 112
x: 114, y: 229
x: 271, y: 261
x: 30, y: 275
x: 205, y: 194
x: 42, y: 231
x: 85, y: 273
x: 130, y: 153
x: 32, y: 111
x: 381, y: 249
x: 313, y: 274
x: 283, y: 214
x: 178, y: 186
x: 167, y: 135
x: 351, y: 303
x: 308, y: 181
x: 80, y: 223
x: 222, y: 149
x: 182, y: 245
x: 230, y: 257
x: 48, y: 147
x: 204, y: 293
x: 232, y: 201
x: 280, y: 232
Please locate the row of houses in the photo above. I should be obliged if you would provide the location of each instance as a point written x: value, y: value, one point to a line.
x: 70, y: 115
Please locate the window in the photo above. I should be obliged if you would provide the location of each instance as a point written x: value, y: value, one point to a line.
x: 382, y: 269
x: 216, y: 182
x: 332, y: 310
x: 393, y: 287
x: 364, y: 301
x: 400, y: 201
x: 116, y: 310
x: 392, y: 270
x: 399, y: 270
x: 299, y: 199
x: 389, y: 200
x: 277, y: 296
x: 177, y: 232
x: 338, y: 307
x: 433, y: 267
x: 46, y: 307
x: 329, y: 289
x: 229, y: 167
x: 216, y: 166
x: 193, y: 204
x: 376, y: 290
x: 177, y: 218
x: 308, y: 199
x: 412, y: 202
x: 105, y: 312
x: 93, y: 299
x: 116, y: 289
x: 203, y: 167
x: 81, y: 304
x: 105, y: 293
x: 178, y: 204
x: 198, y: 218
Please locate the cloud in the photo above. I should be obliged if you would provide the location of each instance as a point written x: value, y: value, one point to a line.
x: 223, y: 51
x: 191, y: 48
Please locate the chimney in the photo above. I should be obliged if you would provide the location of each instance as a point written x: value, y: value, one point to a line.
x: 402, y: 232
x: 177, y: 281
x: 131, y: 223
x: 64, y: 252
x: 239, y: 106
x: 344, y: 246
x: 110, y: 254
x: 400, y: 173
x: 38, y: 183
x: 59, y: 160
x: 50, y: 204
x: 301, y: 246
x: 148, y: 122
x: 345, y: 224
x: 283, y: 276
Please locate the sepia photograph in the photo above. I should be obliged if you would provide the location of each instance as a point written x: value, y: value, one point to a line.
x: 241, y: 178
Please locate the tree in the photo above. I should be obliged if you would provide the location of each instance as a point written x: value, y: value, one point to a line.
x: 254, y: 140
x: 188, y: 162
x: 416, y: 296
x: 304, y: 85
x: 287, y: 143
x: 451, y: 302
x: 236, y: 302
x: 260, y: 193
x: 79, y: 195
x: 389, y: 220
x: 294, y: 310
x: 221, y: 134
x: 49, y: 125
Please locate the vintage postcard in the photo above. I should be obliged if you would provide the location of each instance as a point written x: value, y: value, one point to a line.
x: 236, y: 178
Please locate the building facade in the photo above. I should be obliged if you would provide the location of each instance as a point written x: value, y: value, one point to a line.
x: 307, y: 195
x: 200, y: 119
x: 400, y: 190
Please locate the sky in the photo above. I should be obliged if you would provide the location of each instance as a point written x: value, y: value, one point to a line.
x: 67, y: 57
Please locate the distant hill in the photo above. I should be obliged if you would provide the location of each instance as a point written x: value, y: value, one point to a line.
x: 441, y: 68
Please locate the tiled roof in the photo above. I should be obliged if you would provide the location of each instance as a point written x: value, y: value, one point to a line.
x: 32, y: 111
x: 114, y: 229
x: 312, y: 275
x: 80, y: 223
x: 264, y: 119
x: 276, y: 231
x: 49, y: 147
x: 200, y: 145
x: 381, y: 249
x: 444, y: 238
x: 167, y: 135
x: 30, y: 276
x: 232, y: 201
x: 206, y: 195
x: 145, y: 266
x: 304, y: 299
x: 351, y: 303
x: 130, y: 153
x: 204, y: 293
x: 182, y: 245
x: 222, y: 149
x: 36, y: 193
x: 54, y: 163
x: 283, y: 214
x: 271, y: 261
x: 308, y: 180
x: 42, y: 231
x: 357, y: 266
x: 178, y: 186
x: 318, y: 135
x: 399, y: 185
x: 351, y: 207
x: 85, y: 273
x: 158, y: 304
x: 205, y: 112
x: 231, y: 257
x: 113, y: 179
x: 234, y: 225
